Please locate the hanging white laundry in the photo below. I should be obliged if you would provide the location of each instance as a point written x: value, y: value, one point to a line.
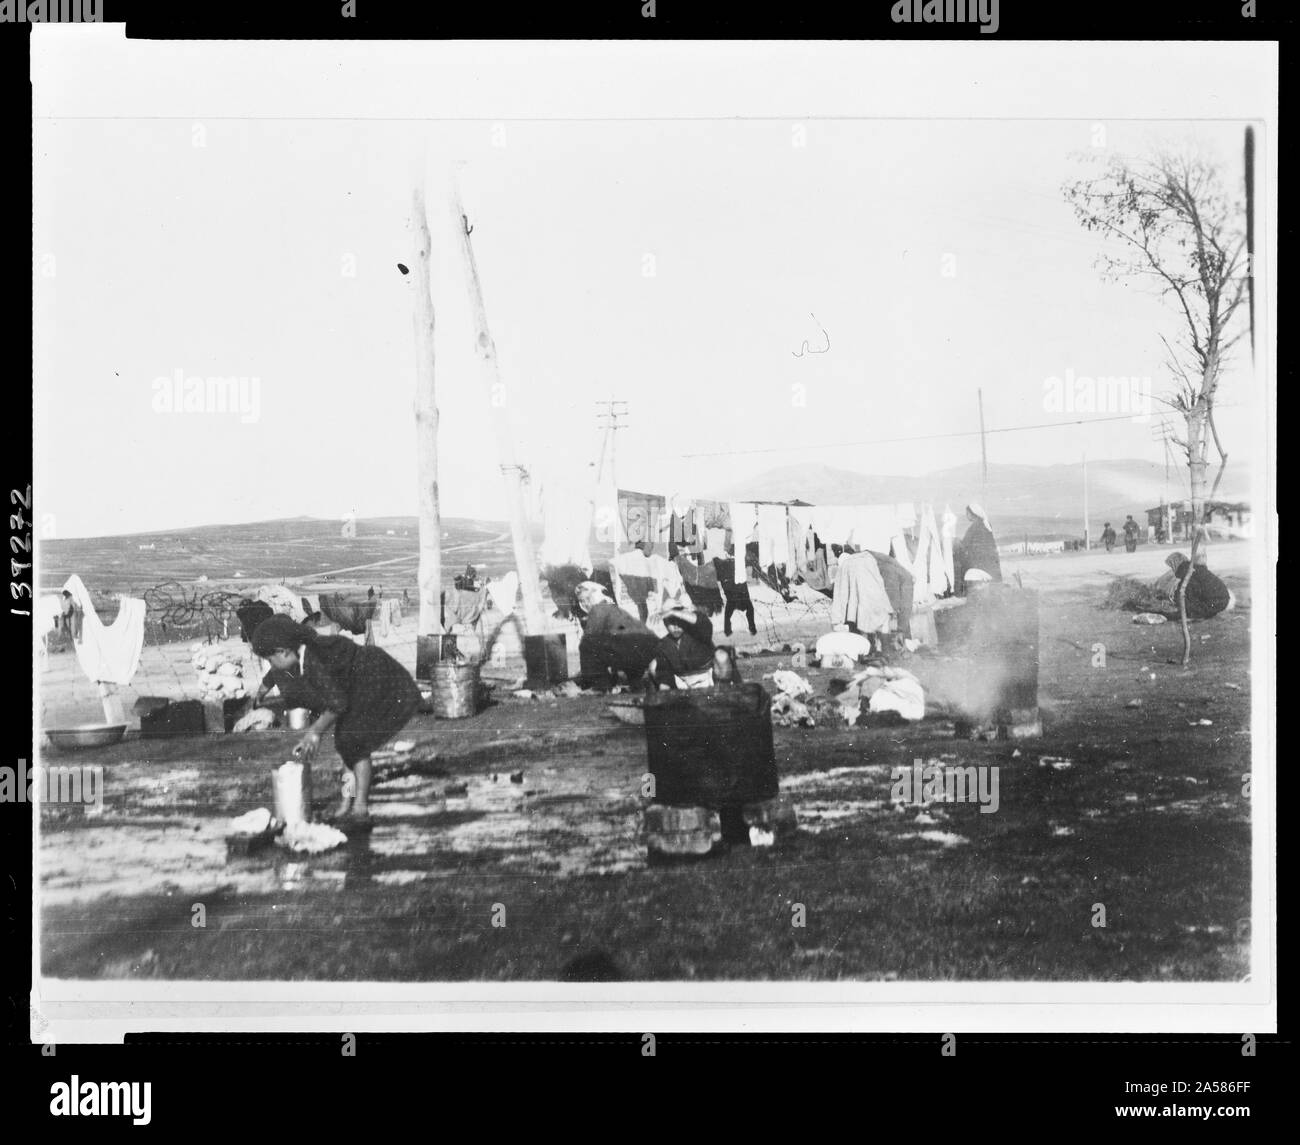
x: 744, y: 524
x: 715, y: 544
x: 502, y: 592
x: 898, y: 545
x: 873, y: 527
x: 632, y: 563
x: 949, y: 533
x: 567, y: 514
x: 108, y: 654
x: 773, y: 536
x: 833, y: 523
x: 927, y: 564
x: 668, y: 582
x: 45, y: 617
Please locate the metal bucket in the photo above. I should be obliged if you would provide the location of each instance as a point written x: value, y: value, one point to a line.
x: 299, y: 718
x: 454, y: 692
x: 292, y: 784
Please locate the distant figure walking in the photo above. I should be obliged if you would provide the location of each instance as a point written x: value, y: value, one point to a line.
x: 1130, y: 535
x: 1108, y: 537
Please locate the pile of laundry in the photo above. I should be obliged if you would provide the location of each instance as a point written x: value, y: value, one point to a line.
x: 221, y: 673
x: 795, y: 705
x: 886, y: 691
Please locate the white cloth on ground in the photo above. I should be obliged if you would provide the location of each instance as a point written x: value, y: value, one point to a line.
x: 842, y: 649
x: 903, y: 695
x: 259, y: 719
x: 108, y: 654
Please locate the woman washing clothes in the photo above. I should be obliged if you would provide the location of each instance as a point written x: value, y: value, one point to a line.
x: 612, y: 641
x: 360, y: 691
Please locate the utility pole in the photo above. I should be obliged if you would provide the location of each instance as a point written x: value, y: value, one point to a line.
x: 1087, y: 531
x: 426, y: 431
x: 607, y: 419
x: 984, y: 452
x: 1163, y: 431
x: 515, y: 475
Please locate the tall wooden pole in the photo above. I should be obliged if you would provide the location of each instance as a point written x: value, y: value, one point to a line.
x: 485, y: 349
x: 426, y: 427
x: 984, y: 453
x: 1087, y: 531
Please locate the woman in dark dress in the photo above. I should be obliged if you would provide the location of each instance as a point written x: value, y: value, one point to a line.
x: 361, y: 692
x: 977, y: 549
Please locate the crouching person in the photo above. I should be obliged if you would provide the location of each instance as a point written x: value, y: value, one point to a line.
x: 612, y: 642
x: 360, y: 691
x: 1206, y: 594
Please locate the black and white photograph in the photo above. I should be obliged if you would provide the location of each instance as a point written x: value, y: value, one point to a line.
x: 604, y: 522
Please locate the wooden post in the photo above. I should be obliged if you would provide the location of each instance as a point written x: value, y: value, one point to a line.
x: 1087, y: 531
x: 426, y: 431
x: 525, y: 559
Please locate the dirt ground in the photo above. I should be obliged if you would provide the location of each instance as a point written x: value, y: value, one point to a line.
x: 474, y: 871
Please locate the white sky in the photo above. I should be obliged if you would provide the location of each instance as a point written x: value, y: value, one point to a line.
x: 228, y: 259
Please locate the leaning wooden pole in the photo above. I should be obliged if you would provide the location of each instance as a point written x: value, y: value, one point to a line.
x: 485, y: 349
x: 426, y: 431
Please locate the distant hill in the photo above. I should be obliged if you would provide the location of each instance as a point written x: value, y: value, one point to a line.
x: 1042, y: 500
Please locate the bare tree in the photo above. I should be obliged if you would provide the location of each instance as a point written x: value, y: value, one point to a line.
x: 1172, y: 223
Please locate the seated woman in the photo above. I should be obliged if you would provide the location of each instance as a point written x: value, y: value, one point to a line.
x: 977, y: 549
x: 360, y: 691
x: 612, y: 641
x: 1206, y: 594
x: 684, y: 658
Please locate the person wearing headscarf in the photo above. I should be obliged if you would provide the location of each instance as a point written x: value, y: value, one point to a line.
x: 612, y: 641
x: 977, y: 550
x: 686, y: 653
x: 360, y: 691
x: 1206, y: 595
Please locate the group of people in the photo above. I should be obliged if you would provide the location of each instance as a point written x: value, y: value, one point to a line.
x: 1131, y: 531
x: 615, y: 644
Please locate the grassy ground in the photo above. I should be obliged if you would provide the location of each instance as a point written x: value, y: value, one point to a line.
x: 1143, y: 813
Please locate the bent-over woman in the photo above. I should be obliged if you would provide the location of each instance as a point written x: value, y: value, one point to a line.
x: 360, y: 691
